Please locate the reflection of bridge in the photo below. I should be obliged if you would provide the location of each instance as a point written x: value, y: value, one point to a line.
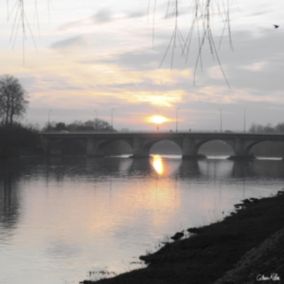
x: 94, y: 143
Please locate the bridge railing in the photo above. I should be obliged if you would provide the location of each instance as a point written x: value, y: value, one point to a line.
x: 225, y: 133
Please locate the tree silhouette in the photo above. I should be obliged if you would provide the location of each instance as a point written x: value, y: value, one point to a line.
x: 89, y: 125
x: 12, y: 99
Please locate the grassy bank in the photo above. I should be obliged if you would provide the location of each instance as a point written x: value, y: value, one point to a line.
x: 247, y: 245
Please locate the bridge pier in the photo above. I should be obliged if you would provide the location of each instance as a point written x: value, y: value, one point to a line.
x: 190, y: 149
x: 92, y: 148
x: 53, y: 148
x: 241, y: 150
x: 242, y: 157
x: 139, y: 149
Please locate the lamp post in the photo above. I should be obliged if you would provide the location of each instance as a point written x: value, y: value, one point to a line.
x: 221, y: 120
x: 245, y: 120
x: 177, y: 109
x: 48, y: 117
x: 112, y: 117
x: 95, y: 119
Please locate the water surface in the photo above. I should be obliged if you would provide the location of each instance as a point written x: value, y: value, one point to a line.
x: 61, y: 219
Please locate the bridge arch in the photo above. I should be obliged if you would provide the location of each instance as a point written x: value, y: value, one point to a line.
x: 164, y: 147
x: 115, y: 147
x: 266, y: 148
x: 215, y: 147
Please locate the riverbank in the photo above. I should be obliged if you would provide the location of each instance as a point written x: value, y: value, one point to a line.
x: 18, y: 141
x: 246, y: 247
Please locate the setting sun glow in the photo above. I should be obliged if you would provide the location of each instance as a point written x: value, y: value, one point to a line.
x: 157, y: 119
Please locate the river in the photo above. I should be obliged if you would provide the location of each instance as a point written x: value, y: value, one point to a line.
x: 66, y: 220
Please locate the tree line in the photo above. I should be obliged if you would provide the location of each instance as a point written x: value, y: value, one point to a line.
x: 13, y: 104
x: 258, y: 128
x: 89, y: 125
x: 17, y: 139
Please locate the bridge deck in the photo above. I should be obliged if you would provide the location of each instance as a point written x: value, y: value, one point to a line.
x: 215, y: 135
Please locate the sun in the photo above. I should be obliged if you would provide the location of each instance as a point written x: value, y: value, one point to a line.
x: 157, y: 119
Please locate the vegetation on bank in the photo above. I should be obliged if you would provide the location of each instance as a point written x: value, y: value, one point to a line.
x: 258, y: 128
x: 243, y: 248
x: 13, y: 100
x: 17, y: 140
x: 89, y: 125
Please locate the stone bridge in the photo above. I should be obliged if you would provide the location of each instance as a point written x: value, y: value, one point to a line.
x: 94, y: 143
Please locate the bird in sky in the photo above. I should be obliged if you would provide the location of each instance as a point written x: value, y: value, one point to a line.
x: 276, y: 26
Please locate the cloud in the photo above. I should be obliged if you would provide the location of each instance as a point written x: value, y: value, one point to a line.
x: 256, y: 62
x: 72, y: 42
x: 256, y: 66
x: 161, y: 99
x: 102, y: 16
x: 136, y: 14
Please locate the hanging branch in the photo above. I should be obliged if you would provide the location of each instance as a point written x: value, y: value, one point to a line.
x: 20, y: 24
x: 200, y: 28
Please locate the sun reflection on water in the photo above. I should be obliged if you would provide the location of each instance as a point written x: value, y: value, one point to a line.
x: 158, y: 165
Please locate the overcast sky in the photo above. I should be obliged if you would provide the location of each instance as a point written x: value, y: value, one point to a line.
x: 84, y: 58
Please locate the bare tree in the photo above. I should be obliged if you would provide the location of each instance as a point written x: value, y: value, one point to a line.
x: 12, y: 99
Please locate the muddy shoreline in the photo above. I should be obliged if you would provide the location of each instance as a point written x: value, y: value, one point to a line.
x: 246, y: 247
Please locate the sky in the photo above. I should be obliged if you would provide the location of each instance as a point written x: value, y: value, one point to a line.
x: 81, y: 60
